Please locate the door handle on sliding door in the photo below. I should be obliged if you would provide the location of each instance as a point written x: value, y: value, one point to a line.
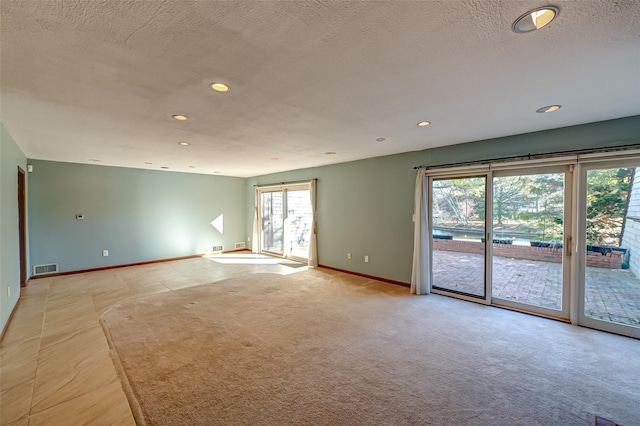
x: 567, y: 246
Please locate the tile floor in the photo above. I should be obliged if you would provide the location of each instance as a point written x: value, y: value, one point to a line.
x: 55, y: 366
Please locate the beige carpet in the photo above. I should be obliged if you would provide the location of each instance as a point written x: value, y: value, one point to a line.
x: 324, y: 348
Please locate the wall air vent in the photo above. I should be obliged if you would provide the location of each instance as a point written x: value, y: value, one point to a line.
x: 240, y: 245
x: 216, y: 248
x: 51, y: 268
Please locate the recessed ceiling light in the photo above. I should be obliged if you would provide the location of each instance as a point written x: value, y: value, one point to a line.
x: 180, y: 117
x: 535, y: 19
x: 192, y: 167
x: 274, y: 158
x: 164, y: 167
x: 184, y: 143
x: 148, y: 162
x: 380, y: 140
x: 220, y: 87
x: 331, y: 152
x: 424, y: 123
x: 549, y: 108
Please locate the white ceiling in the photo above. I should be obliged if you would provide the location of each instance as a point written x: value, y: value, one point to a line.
x: 90, y: 79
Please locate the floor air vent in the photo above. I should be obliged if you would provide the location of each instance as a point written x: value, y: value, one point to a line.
x: 216, y: 248
x: 52, y: 268
x: 240, y: 245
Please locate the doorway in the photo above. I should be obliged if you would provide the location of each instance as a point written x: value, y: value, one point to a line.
x: 531, y: 243
x: 457, y: 210
x: 564, y: 233
x: 608, y: 270
x: 525, y: 214
x: 285, y: 218
x: 22, y: 226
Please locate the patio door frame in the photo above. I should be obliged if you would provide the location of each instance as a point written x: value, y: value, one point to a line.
x: 574, y: 261
x: 508, y: 169
x: 284, y: 189
x: 568, y: 209
x: 461, y: 173
x: 578, y: 316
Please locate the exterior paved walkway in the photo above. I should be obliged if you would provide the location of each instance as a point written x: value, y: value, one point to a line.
x: 611, y: 294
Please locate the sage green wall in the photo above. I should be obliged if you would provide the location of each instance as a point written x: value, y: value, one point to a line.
x: 10, y: 158
x: 138, y: 215
x: 365, y: 207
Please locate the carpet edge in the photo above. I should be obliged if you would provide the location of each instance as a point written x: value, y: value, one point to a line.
x: 136, y: 409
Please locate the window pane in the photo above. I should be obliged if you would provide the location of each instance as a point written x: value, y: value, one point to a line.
x: 528, y: 216
x: 612, y: 284
x: 298, y: 223
x: 272, y: 221
x: 457, y: 214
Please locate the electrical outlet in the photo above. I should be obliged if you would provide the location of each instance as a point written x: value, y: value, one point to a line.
x: 366, y: 259
x: 349, y: 256
x: 9, y: 292
x: 105, y: 253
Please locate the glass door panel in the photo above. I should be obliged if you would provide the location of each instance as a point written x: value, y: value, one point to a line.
x: 298, y: 224
x: 528, y: 234
x: 612, y: 249
x: 458, y: 249
x: 538, y: 218
x: 272, y: 221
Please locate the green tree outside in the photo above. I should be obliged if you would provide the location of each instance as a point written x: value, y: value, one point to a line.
x: 532, y: 206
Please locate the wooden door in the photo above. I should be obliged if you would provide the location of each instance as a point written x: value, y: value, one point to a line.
x: 22, y: 227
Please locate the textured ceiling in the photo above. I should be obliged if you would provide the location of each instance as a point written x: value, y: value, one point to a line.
x: 85, y: 80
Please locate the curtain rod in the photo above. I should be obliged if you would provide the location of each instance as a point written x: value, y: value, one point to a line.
x: 534, y: 156
x: 285, y: 183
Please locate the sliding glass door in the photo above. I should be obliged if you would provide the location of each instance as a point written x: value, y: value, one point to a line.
x: 272, y: 221
x: 527, y: 214
x: 565, y: 238
x: 609, y: 227
x: 531, y: 245
x: 285, y: 218
x: 457, y: 219
x: 298, y: 223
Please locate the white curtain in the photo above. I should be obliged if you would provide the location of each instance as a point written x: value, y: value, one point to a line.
x: 255, y: 244
x: 313, y: 245
x: 421, y: 274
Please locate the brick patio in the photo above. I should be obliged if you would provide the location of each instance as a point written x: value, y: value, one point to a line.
x: 611, y: 294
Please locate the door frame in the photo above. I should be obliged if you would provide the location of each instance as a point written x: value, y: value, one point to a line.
x: 581, y: 243
x: 568, y: 214
x: 460, y: 174
x: 578, y: 165
x: 284, y: 188
x: 262, y: 191
x: 22, y: 225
